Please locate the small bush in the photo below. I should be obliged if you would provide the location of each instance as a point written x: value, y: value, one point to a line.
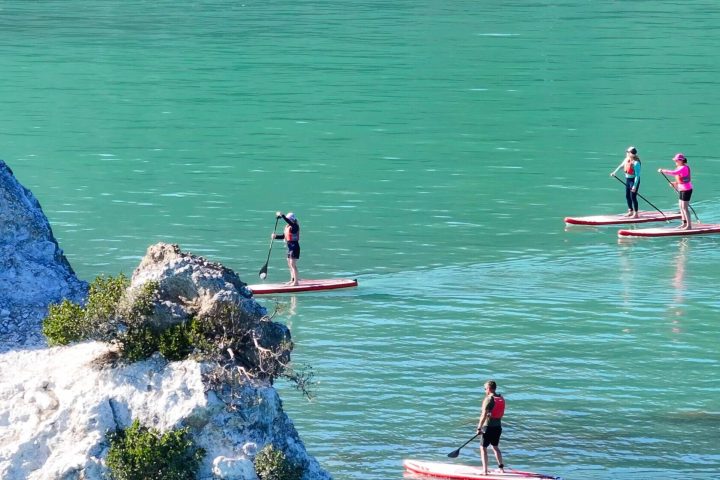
x: 272, y: 464
x: 175, y: 343
x: 65, y: 324
x: 138, y: 343
x: 69, y: 322
x: 143, y: 303
x: 141, y: 453
x: 104, y: 295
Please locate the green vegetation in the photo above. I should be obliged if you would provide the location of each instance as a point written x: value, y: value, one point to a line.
x: 109, y: 316
x: 140, y: 307
x: 68, y: 322
x: 272, y: 464
x: 103, y: 298
x: 174, y: 343
x: 65, y: 324
x: 141, y: 453
x: 235, y: 341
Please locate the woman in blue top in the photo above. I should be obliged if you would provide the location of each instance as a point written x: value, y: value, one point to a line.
x: 631, y: 167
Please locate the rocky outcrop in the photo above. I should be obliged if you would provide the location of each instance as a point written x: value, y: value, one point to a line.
x: 56, y: 406
x: 190, y: 286
x: 34, y: 273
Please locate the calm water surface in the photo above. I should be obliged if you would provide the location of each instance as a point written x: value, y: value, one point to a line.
x: 431, y: 150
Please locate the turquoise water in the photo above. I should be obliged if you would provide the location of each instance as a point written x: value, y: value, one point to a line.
x: 430, y: 150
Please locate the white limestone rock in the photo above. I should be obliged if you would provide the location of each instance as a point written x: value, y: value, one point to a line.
x: 56, y: 406
x: 234, y: 468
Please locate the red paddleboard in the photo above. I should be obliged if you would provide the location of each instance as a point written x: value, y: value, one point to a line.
x: 304, y: 286
x: 697, y: 229
x: 467, y: 472
x: 643, y: 217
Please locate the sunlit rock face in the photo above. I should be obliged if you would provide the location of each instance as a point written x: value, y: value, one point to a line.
x: 34, y: 273
x: 57, y: 404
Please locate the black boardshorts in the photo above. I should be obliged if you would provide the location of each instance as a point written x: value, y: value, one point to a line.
x: 293, y: 250
x: 492, y: 436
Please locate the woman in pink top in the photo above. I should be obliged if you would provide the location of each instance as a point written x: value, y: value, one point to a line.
x: 683, y: 186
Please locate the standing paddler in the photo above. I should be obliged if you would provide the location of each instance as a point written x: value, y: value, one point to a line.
x: 291, y: 235
x: 683, y: 186
x: 490, y: 426
x: 631, y: 167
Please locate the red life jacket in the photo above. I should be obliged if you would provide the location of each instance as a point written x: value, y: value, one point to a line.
x: 499, y: 408
x: 630, y: 167
x: 290, y: 236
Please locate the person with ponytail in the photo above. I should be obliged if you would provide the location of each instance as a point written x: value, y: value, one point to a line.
x: 631, y: 167
x: 683, y: 186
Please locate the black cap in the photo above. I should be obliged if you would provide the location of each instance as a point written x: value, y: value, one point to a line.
x: 632, y: 150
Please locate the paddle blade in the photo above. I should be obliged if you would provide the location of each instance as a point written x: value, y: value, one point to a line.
x: 263, y: 270
x: 454, y: 453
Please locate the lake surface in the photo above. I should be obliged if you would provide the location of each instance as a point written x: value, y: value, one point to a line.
x: 430, y: 150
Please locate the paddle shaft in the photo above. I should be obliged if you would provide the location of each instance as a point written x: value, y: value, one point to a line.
x: 676, y: 191
x: 272, y: 240
x: 638, y: 194
x: 456, y: 452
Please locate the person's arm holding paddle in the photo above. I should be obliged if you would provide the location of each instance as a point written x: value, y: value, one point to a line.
x: 614, y: 172
x: 485, y: 410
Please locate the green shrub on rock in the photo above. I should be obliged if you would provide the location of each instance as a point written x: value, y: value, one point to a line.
x: 142, y: 453
x: 272, y: 464
x: 138, y: 343
x: 69, y: 322
x: 141, y: 303
x: 103, y: 298
x: 65, y: 324
x: 175, y: 343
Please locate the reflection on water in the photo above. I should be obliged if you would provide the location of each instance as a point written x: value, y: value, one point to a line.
x: 680, y: 263
x: 677, y: 307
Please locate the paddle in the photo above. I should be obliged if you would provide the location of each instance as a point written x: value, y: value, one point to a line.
x: 648, y: 201
x: 456, y: 452
x: 676, y: 191
x: 263, y: 270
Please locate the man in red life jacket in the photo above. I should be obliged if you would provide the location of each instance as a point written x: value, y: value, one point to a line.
x: 493, y: 408
x: 291, y: 235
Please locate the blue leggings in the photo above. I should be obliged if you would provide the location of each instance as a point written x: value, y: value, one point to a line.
x: 631, y: 196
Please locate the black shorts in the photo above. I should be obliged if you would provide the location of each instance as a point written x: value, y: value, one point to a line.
x: 685, y: 195
x: 293, y: 250
x: 492, y: 436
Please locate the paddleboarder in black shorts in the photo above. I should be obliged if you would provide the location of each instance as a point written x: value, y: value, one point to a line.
x: 683, y: 186
x: 490, y: 426
x: 291, y: 235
